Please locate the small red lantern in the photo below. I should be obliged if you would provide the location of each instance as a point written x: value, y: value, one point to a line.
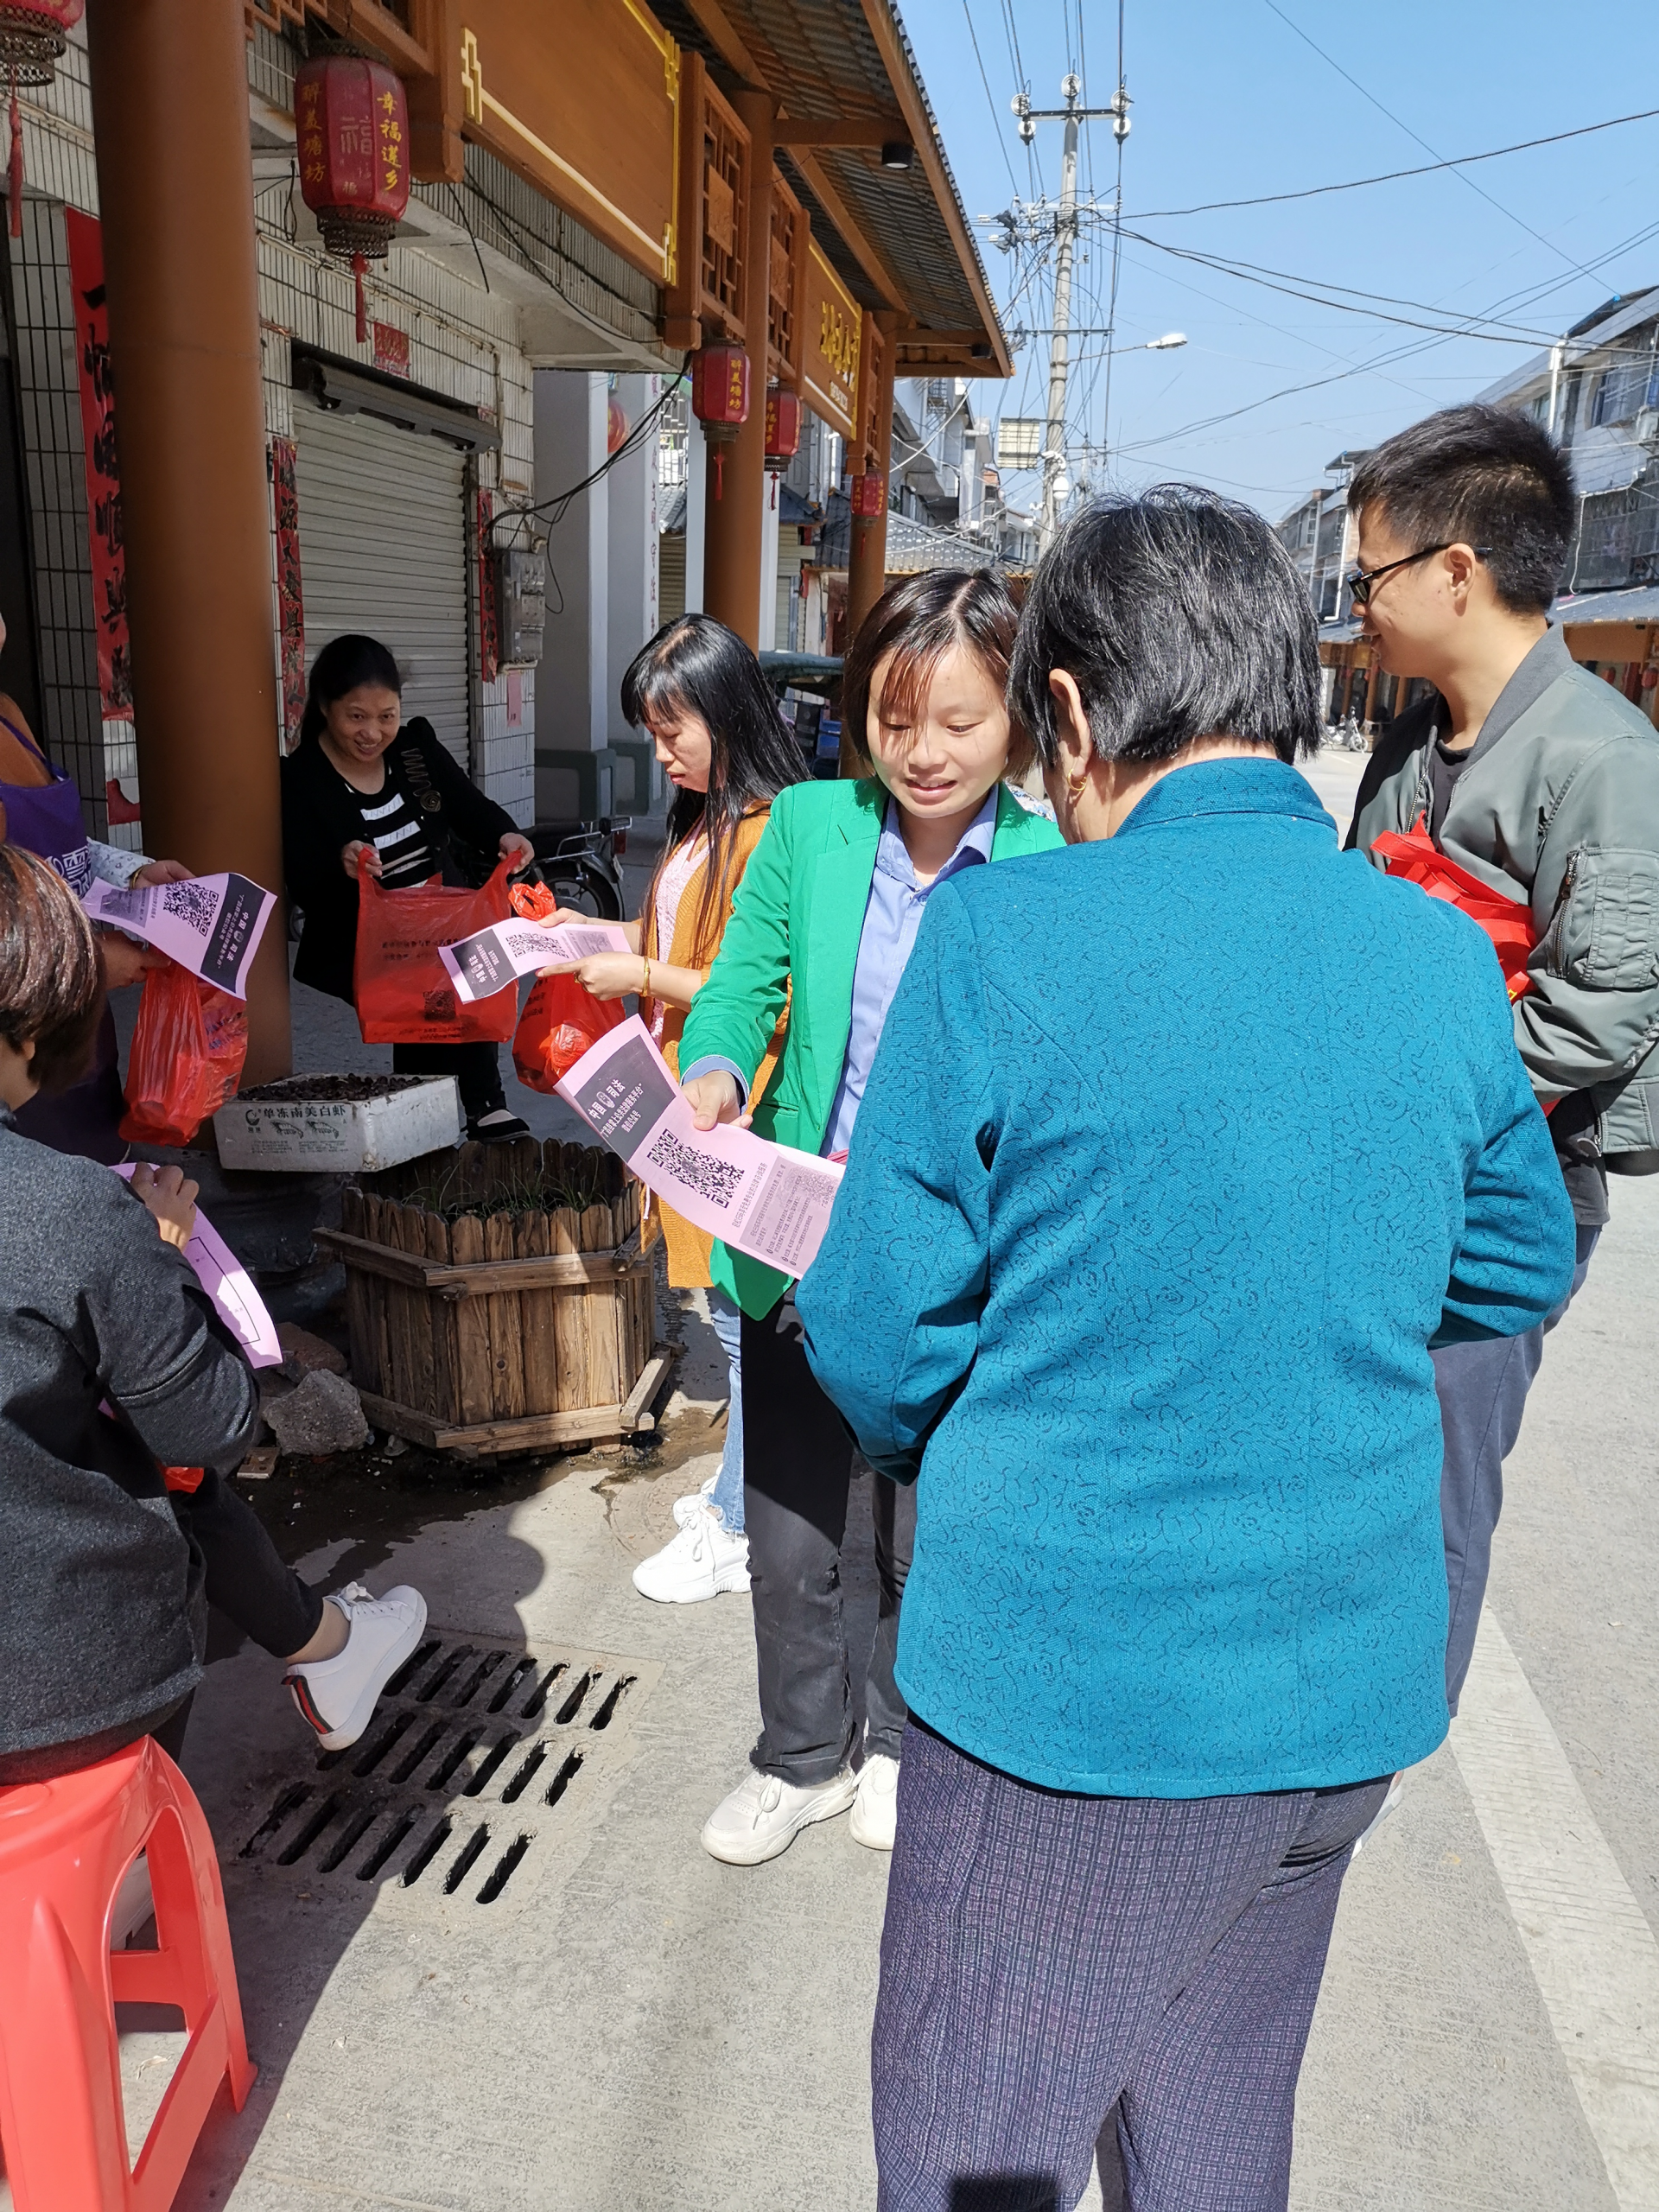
x: 616, y: 426
x: 352, y: 125
x: 783, y: 427
x: 719, y: 399
x: 33, y: 35
x: 869, y: 494
x: 783, y: 432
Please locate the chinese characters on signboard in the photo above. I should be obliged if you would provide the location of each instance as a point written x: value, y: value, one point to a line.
x: 109, y: 558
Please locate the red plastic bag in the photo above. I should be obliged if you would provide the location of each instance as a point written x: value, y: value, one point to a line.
x: 560, y: 1022
x: 188, y: 1046
x: 404, y: 992
x: 1507, y: 922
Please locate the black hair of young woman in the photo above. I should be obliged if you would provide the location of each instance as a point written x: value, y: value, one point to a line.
x: 697, y: 664
x: 917, y: 621
x: 51, y: 977
x: 341, y: 666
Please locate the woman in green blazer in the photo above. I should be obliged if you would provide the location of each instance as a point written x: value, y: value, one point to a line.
x: 822, y: 924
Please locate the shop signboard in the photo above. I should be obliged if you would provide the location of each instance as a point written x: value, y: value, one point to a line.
x: 829, y: 345
x: 591, y: 117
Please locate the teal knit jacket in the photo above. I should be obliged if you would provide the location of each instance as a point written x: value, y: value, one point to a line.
x: 1144, y: 1291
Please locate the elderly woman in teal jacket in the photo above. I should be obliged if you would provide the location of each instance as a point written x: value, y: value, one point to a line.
x: 1141, y: 1299
x: 823, y: 923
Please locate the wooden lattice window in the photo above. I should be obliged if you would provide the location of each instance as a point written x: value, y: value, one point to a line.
x: 786, y: 286
x: 725, y: 205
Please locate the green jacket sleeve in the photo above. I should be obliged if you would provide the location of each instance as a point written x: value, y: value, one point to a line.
x: 734, y: 1015
x: 1592, y: 1015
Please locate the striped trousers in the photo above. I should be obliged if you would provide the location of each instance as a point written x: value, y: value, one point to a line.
x: 1048, y: 1957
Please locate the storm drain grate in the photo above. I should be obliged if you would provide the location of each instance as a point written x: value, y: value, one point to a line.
x: 477, y: 1748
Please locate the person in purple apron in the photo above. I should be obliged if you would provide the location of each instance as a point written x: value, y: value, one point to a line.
x: 40, y: 810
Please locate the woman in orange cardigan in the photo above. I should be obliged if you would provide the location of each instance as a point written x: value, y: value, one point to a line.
x: 698, y: 690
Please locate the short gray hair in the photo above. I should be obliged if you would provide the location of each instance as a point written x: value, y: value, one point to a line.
x: 1180, y: 615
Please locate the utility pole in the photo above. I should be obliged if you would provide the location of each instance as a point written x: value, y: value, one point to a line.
x: 1065, y: 238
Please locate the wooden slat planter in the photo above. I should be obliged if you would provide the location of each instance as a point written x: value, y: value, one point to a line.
x: 506, y: 1328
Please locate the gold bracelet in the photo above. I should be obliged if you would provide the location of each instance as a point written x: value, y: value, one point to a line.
x: 645, y: 988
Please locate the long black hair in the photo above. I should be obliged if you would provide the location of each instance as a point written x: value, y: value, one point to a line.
x: 696, y: 665
x: 341, y: 666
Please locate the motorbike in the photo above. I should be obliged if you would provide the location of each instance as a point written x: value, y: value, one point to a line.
x: 578, y: 861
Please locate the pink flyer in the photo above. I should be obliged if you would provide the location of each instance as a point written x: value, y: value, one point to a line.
x: 227, y: 1282
x: 211, y: 925
x: 491, y: 959
x: 765, y: 1199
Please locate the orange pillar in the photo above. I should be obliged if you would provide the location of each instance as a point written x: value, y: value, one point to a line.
x: 733, y: 525
x: 867, y: 567
x: 176, y: 184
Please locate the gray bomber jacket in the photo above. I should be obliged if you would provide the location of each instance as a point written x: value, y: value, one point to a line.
x: 103, y: 1617
x: 1559, y: 805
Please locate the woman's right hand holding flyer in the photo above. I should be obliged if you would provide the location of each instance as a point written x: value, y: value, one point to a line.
x: 712, y: 1098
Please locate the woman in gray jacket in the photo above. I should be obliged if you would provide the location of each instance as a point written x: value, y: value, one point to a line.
x: 114, y: 1368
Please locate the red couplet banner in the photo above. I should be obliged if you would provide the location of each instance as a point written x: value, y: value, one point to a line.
x: 103, y: 472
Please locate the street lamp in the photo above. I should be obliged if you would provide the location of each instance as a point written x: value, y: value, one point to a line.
x: 1163, y: 345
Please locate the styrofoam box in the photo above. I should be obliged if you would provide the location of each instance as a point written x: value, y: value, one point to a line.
x: 308, y: 1135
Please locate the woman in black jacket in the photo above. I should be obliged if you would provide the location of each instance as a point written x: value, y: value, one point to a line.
x: 366, y: 789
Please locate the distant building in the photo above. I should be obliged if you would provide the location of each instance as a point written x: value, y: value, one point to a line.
x: 1596, y: 390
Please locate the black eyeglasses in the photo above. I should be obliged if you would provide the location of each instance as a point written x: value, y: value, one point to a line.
x: 1359, y: 581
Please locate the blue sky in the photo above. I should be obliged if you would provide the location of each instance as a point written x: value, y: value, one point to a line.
x: 1230, y: 102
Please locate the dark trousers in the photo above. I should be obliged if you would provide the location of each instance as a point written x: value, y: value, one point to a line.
x: 476, y: 1068
x: 1047, y: 1957
x: 1482, y: 1392
x: 797, y: 1468
x: 246, y: 1579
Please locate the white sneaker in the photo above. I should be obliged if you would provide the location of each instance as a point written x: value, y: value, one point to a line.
x: 875, y: 1810
x: 687, y: 1508
x: 339, y: 1695
x: 699, y: 1562
x: 765, y: 1814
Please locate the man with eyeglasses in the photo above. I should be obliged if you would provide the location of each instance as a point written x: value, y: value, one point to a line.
x: 1542, y: 781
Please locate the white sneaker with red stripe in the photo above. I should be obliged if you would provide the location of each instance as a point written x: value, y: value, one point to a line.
x: 338, y: 1696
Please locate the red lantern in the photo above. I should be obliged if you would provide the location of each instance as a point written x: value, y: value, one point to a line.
x: 616, y: 426
x: 783, y: 427
x: 869, y: 494
x: 33, y: 35
x: 719, y: 399
x: 351, y: 126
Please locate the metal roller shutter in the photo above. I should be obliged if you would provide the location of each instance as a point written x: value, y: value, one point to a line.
x: 383, y: 550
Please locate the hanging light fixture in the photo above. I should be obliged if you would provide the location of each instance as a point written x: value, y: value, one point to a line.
x: 33, y: 35
x: 351, y: 126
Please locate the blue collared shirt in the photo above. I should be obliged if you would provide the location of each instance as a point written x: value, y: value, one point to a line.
x: 893, y: 915
x: 891, y: 921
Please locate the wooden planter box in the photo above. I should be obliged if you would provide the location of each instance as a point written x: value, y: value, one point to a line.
x: 506, y: 1328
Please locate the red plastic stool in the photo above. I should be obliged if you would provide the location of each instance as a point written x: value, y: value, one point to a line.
x: 64, y: 1848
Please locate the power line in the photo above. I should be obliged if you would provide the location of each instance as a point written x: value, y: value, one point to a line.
x: 1416, y: 136
x: 996, y: 119
x: 1393, y: 176
x: 1246, y: 272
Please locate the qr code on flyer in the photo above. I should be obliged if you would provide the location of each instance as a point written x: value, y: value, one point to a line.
x: 193, y: 903
x: 715, y: 1180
